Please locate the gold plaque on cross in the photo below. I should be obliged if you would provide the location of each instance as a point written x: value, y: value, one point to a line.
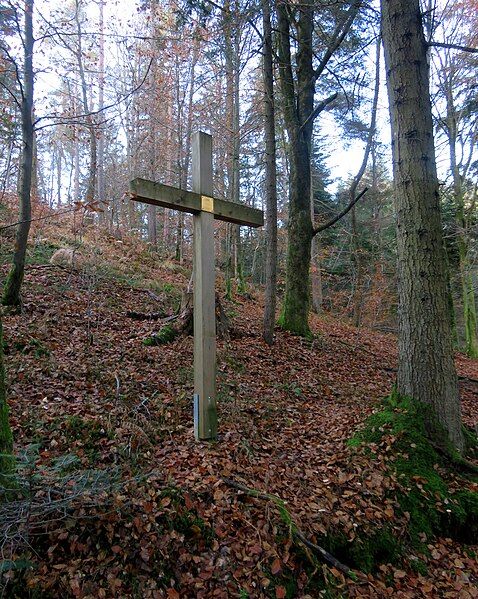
x: 207, y: 204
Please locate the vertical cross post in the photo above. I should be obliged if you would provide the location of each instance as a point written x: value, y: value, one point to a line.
x: 205, y: 414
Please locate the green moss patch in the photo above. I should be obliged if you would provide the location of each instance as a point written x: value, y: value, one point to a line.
x: 41, y: 252
x: 366, y: 552
x: 433, y: 497
x: 165, y: 335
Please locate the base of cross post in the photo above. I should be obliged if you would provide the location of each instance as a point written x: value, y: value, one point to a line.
x: 205, y: 419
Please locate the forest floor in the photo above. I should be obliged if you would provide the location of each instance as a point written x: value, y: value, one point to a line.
x: 124, y: 503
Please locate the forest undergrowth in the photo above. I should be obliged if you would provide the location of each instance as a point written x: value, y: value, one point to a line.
x: 114, y: 498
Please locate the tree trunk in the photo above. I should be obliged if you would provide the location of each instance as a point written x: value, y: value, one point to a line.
x: 11, y: 294
x: 270, y: 183
x: 59, y: 170
x: 426, y: 370
x: 357, y: 295
x: 101, y: 130
x: 35, y: 185
x: 236, y: 149
x: 316, y: 290
x: 468, y: 294
x: 295, y: 309
x: 76, y: 177
x: 357, y: 261
x: 231, y: 50
x: 299, y: 115
x: 153, y: 134
x: 91, y: 186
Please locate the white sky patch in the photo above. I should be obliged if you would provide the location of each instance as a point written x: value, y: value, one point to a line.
x: 122, y: 20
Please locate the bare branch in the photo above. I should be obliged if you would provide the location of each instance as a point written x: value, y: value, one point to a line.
x: 338, y: 37
x: 454, y: 47
x: 347, y: 209
x: 75, y: 118
x: 318, y: 109
x: 373, y: 123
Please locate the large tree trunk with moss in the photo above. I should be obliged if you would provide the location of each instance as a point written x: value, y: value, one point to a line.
x: 426, y: 370
x: 6, y: 438
x: 295, y: 309
x: 298, y: 79
x: 298, y: 108
x: 13, y: 284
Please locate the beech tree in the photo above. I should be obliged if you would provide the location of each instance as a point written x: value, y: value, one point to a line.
x: 297, y: 82
x: 426, y: 370
x: 458, y: 121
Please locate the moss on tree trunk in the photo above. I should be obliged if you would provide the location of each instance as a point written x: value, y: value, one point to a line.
x: 297, y: 111
x: 11, y: 295
x: 462, y: 230
x: 13, y: 283
x: 295, y: 309
x: 469, y: 305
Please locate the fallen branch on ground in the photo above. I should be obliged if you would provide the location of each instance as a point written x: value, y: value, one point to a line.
x: 146, y: 315
x: 295, y: 531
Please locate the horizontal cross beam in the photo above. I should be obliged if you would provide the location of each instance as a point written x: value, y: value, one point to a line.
x: 150, y: 192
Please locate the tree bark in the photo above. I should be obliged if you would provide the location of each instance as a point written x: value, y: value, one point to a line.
x: 270, y: 183
x: 316, y: 289
x: 299, y: 114
x: 426, y: 370
x: 232, y: 35
x: 236, y: 147
x: 297, y: 108
x: 358, y: 291
x: 91, y: 185
x: 11, y: 295
x: 152, y: 134
x: 101, y: 130
x: 462, y: 240
x: 76, y: 176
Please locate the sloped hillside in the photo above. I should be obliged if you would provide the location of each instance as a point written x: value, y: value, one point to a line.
x: 114, y: 498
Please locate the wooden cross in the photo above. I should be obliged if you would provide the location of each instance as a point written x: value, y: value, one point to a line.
x: 205, y: 209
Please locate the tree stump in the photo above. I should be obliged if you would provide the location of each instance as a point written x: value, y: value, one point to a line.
x: 185, y: 323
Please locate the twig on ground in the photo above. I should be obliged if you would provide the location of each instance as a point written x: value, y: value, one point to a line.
x: 295, y: 531
x: 153, y: 295
x: 118, y: 387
